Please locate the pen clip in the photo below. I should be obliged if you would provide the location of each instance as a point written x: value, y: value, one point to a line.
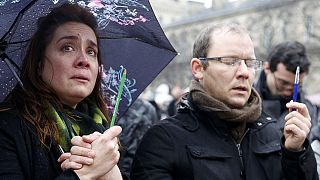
x: 297, y: 76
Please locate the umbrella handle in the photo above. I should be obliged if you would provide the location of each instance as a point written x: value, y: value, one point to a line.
x: 6, y: 60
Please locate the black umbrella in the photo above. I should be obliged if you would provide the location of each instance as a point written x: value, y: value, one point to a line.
x: 129, y: 33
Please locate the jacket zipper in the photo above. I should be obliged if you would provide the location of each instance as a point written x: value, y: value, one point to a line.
x: 240, y: 153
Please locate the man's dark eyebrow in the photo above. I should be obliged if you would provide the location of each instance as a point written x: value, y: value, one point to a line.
x: 288, y: 82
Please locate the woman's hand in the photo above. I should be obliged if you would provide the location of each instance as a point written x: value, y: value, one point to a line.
x: 80, y: 153
x: 94, y: 155
x: 113, y: 174
x: 107, y: 154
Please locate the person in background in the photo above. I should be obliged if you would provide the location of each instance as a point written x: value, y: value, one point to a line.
x: 162, y: 98
x: 316, y: 148
x: 275, y: 84
x: 176, y: 93
x: 220, y: 131
x: 135, y: 122
x: 60, y: 101
x: 316, y: 143
x: 156, y: 107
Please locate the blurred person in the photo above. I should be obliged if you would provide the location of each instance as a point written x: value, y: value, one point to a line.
x: 220, y: 131
x: 276, y: 81
x: 316, y: 148
x: 316, y: 145
x: 176, y: 93
x: 162, y: 99
x: 135, y: 122
x: 59, y: 102
x: 149, y: 96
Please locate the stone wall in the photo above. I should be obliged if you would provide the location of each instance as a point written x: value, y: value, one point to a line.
x: 269, y: 23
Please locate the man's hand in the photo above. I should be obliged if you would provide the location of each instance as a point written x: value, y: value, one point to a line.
x: 297, y: 126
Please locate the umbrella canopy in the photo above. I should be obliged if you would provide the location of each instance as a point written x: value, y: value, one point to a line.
x: 129, y: 34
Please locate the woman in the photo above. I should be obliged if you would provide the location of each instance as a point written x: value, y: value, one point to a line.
x: 60, y: 99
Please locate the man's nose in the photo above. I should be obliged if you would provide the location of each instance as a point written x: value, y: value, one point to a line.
x: 243, y: 70
x: 287, y: 92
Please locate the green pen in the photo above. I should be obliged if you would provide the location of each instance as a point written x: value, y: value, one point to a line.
x: 115, y: 110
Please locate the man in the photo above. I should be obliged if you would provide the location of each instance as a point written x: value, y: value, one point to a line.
x: 219, y: 131
x: 276, y: 81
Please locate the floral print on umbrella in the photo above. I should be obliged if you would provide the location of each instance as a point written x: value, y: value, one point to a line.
x: 123, y: 12
x: 110, y: 83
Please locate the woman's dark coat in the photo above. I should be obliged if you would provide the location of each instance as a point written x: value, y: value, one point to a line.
x: 194, y: 145
x: 21, y: 154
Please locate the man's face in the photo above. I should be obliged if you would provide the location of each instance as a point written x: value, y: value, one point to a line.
x: 280, y: 82
x: 229, y: 84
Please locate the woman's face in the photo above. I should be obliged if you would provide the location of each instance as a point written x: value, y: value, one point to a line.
x: 71, y: 62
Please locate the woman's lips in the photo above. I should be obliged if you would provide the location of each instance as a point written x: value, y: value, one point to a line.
x: 80, y: 78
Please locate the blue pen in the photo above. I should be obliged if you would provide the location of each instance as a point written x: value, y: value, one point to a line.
x: 296, y: 85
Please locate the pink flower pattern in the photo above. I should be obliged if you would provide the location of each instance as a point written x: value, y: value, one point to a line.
x: 95, y: 3
x: 123, y: 12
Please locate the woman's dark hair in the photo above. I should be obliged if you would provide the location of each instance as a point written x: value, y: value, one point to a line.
x: 33, y: 102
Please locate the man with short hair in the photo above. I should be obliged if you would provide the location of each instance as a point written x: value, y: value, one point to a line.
x: 276, y: 82
x: 219, y: 131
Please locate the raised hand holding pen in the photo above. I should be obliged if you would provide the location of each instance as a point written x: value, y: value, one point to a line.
x: 297, y: 126
x: 298, y: 122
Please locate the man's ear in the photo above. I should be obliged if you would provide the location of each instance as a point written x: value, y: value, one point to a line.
x: 197, y: 68
x: 266, y: 68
